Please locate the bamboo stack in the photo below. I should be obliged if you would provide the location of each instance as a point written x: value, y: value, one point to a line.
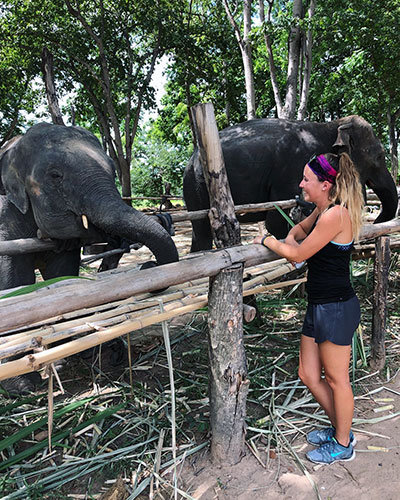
x: 88, y: 327
x: 80, y: 328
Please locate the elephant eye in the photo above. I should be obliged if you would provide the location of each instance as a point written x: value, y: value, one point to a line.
x: 55, y: 174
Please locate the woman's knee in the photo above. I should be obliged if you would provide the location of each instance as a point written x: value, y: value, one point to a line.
x: 337, y: 381
x: 309, y: 378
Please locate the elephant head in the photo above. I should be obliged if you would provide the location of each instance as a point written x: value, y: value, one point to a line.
x: 356, y: 137
x: 64, y: 177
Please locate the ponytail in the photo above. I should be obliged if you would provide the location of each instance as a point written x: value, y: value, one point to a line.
x: 347, y: 190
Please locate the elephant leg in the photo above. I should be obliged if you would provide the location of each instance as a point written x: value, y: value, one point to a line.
x: 276, y: 224
x: 65, y: 263
x: 201, y: 235
x: 16, y: 270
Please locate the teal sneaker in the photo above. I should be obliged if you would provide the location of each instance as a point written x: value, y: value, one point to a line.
x: 331, y: 452
x: 322, y: 436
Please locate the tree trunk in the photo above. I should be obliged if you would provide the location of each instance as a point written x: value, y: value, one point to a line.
x: 305, y: 86
x: 228, y: 385
x: 379, y: 312
x: 48, y: 77
x: 289, y: 109
x: 272, y: 67
x: 394, y: 144
x: 248, y: 61
x: 245, y: 49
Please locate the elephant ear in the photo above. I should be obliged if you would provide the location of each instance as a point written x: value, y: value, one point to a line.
x: 343, y: 139
x: 11, y: 181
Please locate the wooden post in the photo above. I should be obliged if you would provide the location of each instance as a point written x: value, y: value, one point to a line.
x: 228, y: 384
x: 381, y: 283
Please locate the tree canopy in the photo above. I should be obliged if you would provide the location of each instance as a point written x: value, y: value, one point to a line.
x: 317, y: 60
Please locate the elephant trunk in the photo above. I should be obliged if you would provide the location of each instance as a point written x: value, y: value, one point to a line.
x: 118, y: 219
x: 385, y: 188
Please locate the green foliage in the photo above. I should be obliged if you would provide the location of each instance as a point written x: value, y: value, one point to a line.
x: 356, y: 68
x: 17, y: 69
x: 355, y: 65
x: 156, y: 162
x: 41, y: 284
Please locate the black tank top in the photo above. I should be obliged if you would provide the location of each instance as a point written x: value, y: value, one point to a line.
x: 329, y: 274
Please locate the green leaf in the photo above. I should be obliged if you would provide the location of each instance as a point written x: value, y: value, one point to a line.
x: 41, y: 284
x: 58, y: 436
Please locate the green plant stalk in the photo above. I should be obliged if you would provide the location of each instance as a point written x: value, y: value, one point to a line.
x: 58, y: 437
x: 9, y: 441
x: 285, y: 216
x: 41, y: 284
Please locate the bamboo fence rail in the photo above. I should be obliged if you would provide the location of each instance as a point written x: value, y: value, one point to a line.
x: 100, y: 310
x: 120, y: 318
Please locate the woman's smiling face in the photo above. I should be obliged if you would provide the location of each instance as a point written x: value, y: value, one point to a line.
x: 312, y: 187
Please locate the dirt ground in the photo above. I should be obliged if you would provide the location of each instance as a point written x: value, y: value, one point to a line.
x: 372, y: 475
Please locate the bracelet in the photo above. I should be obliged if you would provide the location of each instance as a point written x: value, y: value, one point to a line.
x: 264, y: 238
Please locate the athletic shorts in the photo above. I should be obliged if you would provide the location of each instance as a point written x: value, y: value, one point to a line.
x: 335, y: 321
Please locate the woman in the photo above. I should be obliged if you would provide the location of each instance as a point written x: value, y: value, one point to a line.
x: 332, y: 183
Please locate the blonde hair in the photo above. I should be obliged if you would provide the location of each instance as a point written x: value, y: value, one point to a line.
x: 347, y: 190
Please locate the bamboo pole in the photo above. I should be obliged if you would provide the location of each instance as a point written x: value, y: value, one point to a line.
x: 32, y: 362
x: 29, y: 245
x: 48, y: 332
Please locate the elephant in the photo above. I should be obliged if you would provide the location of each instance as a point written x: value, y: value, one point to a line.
x: 58, y: 182
x: 264, y: 160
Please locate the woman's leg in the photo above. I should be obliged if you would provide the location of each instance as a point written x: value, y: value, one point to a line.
x: 335, y: 360
x: 310, y: 373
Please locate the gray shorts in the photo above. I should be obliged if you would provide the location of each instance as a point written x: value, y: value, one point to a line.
x: 335, y: 321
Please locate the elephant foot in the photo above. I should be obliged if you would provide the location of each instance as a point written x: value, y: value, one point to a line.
x: 22, y: 384
x: 118, y: 352
x: 116, y: 355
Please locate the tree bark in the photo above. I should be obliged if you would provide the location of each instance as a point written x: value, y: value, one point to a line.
x: 305, y: 87
x: 289, y: 108
x: 225, y: 226
x: 379, y: 312
x: 228, y: 385
x: 245, y: 49
x: 394, y: 144
x: 48, y: 77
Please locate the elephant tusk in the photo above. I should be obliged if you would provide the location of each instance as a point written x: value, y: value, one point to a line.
x: 85, y: 221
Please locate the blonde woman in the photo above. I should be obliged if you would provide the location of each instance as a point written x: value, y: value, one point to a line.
x: 332, y: 183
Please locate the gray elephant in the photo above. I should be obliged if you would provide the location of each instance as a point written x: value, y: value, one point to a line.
x: 58, y: 180
x: 265, y: 158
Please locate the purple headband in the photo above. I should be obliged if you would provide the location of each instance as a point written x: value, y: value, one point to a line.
x: 322, y: 169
